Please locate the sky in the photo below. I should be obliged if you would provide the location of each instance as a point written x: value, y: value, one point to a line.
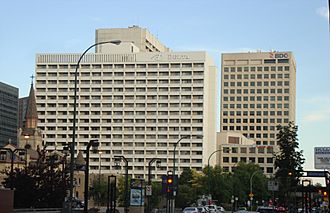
x: 215, y: 26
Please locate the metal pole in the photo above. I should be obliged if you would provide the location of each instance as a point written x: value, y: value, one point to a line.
x: 251, y: 197
x: 75, y: 116
x: 149, y: 183
x: 126, y: 182
x: 174, y: 179
x: 208, y: 170
x: 86, y: 178
x: 108, y: 195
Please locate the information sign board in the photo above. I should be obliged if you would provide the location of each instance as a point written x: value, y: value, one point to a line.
x: 322, y: 157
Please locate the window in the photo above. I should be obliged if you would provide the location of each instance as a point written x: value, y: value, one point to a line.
x: 269, y: 61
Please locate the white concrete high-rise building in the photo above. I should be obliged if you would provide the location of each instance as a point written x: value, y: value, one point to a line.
x: 137, y: 103
x: 258, y: 92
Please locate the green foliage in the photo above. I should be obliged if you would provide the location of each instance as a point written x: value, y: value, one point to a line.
x: 99, y: 190
x: 38, y: 185
x: 156, y: 194
x: 189, y: 186
x: 241, y: 179
x: 289, y: 160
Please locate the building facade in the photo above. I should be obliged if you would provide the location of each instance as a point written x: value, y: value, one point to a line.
x: 8, y: 114
x: 258, y: 92
x: 137, y: 105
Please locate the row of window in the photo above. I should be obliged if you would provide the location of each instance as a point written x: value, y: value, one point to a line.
x: 251, y: 113
x: 119, y: 66
x: 122, y: 97
x: 269, y: 170
x: 121, y: 89
x: 119, y: 120
x: 256, y: 106
x: 115, y: 105
x: 256, y: 76
x: 246, y: 120
x: 250, y: 159
x: 259, y: 69
x: 265, y: 121
x: 258, y: 83
x: 126, y: 128
x: 256, y: 98
x: 129, y: 82
x: 256, y: 91
x: 121, y: 73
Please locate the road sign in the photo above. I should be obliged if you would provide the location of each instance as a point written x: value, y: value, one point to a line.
x: 315, y: 174
x: 148, y: 190
x: 251, y: 194
x: 272, y: 185
x: 322, y: 157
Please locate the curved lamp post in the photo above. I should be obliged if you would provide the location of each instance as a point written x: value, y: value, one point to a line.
x: 208, y: 169
x: 94, y: 144
x: 251, y: 192
x: 12, y: 154
x: 175, y: 145
x: 158, y: 161
x: 126, y: 181
x: 72, y: 148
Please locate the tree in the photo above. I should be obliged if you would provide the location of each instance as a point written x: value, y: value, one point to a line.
x: 99, y: 190
x: 288, y: 161
x: 220, y: 186
x: 187, y: 194
x: 39, y: 185
x: 241, y: 179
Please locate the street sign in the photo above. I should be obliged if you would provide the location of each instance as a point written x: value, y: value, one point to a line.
x: 148, y: 190
x: 322, y: 157
x: 272, y: 185
x: 315, y: 174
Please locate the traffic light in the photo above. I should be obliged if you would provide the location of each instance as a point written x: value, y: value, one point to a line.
x: 169, y: 186
x: 325, y: 194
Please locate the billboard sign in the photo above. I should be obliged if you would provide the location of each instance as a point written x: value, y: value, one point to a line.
x: 322, y: 157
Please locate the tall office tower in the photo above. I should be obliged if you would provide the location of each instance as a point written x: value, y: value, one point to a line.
x: 8, y: 114
x: 258, y: 92
x: 137, y: 104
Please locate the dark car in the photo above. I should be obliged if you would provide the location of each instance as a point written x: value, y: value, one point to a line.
x: 266, y: 209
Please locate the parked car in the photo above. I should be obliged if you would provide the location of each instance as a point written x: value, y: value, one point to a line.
x: 220, y: 209
x: 190, y: 210
x: 212, y: 208
x: 266, y: 209
x: 202, y: 209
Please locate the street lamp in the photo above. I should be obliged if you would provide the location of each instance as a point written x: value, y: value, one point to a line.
x: 100, y: 153
x: 208, y: 169
x: 12, y: 154
x: 116, y: 42
x: 175, y: 145
x: 158, y: 161
x: 251, y: 192
x: 126, y: 180
x: 92, y: 143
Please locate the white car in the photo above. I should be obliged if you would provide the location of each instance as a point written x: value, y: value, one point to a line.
x: 190, y: 210
x: 212, y: 208
x: 220, y: 209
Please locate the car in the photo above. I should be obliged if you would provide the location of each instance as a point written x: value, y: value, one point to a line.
x: 220, y: 209
x: 190, y: 210
x: 266, y: 209
x: 212, y: 208
x: 202, y: 209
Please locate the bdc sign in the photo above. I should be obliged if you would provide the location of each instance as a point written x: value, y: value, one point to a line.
x: 278, y: 55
